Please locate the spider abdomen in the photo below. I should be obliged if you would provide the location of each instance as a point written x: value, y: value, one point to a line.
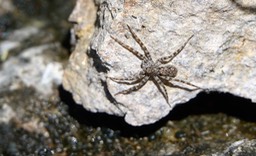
x: 169, y: 70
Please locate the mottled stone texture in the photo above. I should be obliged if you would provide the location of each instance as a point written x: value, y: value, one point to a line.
x: 220, y: 57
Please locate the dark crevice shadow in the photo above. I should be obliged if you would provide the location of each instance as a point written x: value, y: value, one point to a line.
x: 65, y: 42
x: 110, y: 97
x: 107, y: 93
x: 213, y: 103
x: 204, y: 103
x: 97, y: 63
x: 88, y: 118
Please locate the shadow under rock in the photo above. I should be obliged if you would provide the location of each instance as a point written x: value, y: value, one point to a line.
x: 204, y: 103
x: 213, y: 103
x: 105, y: 120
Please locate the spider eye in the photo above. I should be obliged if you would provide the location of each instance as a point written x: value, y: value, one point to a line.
x: 174, y: 71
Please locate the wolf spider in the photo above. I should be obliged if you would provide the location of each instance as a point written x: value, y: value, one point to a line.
x: 160, y: 75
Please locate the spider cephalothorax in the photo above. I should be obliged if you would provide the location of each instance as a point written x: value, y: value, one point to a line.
x: 155, y: 71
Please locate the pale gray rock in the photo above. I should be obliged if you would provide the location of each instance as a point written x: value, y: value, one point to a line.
x: 221, y: 56
x: 14, y: 40
x: 6, y: 113
x: 32, y: 68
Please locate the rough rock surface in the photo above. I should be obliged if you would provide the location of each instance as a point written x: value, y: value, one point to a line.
x: 241, y: 147
x: 32, y: 124
x: 221, y: 56
x: 31, y: 54
x: 32, y: 68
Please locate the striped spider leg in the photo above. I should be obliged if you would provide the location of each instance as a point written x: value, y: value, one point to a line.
x: 154, y: 71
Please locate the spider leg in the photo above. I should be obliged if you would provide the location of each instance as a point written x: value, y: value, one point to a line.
x: 167, y: 59
x: 167, y: 79
x: 129, y: 80
x: 134, y: 88
x: 187, y: 83
x: 130, y: 49
x: 137, y: 39
x: 162, y: 89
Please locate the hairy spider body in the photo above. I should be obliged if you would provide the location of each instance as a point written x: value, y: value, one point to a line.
x: 170, y: 71
x: 160, y: 75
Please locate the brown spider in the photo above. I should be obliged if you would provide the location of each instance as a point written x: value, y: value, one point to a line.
x: 160, y: 75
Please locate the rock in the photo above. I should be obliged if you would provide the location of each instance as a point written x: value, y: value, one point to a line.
x: 6, y: 113
x: 35, y: 66
x: 32, y: 68
x: 221, y: 55
x: 241, y: 147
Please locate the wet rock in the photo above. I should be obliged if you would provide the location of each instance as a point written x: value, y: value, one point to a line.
x: 219, y: 57
x: 241, y: 147
x: 45, y: 127
x: 31, y: 125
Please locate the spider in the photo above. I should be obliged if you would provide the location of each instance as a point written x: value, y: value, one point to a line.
x: 155, y: 71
